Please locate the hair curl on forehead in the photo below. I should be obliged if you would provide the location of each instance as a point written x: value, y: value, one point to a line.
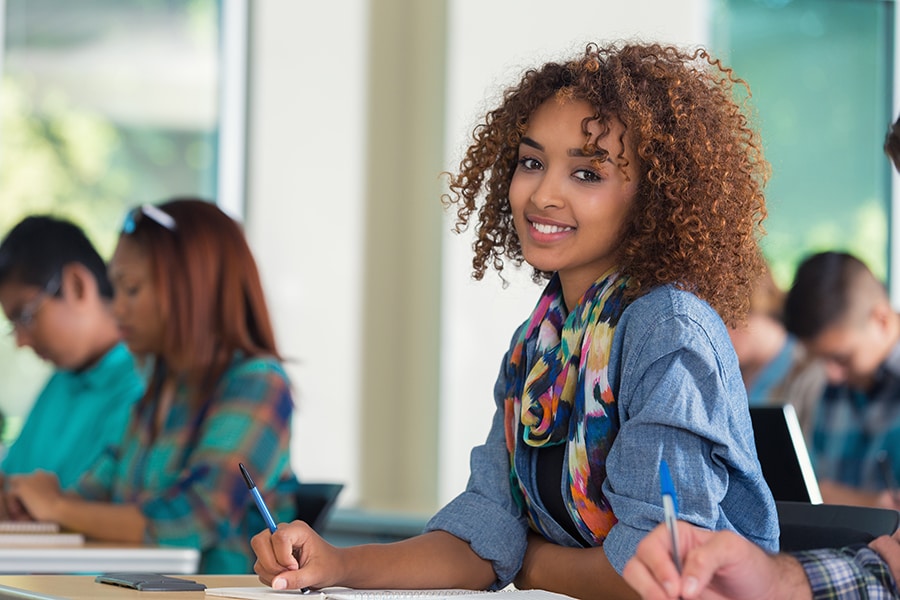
x: 698, y: 212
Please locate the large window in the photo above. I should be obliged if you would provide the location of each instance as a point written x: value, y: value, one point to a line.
x: 104, y: 104
x: 821, y: 76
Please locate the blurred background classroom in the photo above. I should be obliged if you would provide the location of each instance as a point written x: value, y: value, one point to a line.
x: 324, y: 127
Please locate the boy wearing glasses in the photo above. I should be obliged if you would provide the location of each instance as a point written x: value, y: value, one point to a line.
x: 56, y: 294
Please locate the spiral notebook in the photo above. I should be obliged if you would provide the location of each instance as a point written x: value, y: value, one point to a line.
x: 265, y: 593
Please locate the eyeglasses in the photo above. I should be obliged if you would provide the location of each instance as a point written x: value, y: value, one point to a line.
x: 25, y: 319
x: 153, y: 213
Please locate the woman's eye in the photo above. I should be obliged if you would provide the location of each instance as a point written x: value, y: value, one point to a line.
x: 587, y: 175
x: 126, y: 290
x: 529, y: 164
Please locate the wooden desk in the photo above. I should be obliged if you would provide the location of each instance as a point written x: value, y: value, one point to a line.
x: 83, y: 587
x: 98, y: 558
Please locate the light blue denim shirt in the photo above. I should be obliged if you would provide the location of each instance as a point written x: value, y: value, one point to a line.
x: 680, y: 396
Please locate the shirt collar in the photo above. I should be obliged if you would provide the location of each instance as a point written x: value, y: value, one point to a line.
x: 107, y: 369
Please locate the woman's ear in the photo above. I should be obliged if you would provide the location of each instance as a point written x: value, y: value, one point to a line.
x: 78, y: 283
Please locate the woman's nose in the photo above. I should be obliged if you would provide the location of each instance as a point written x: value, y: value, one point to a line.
x: 549, y: 192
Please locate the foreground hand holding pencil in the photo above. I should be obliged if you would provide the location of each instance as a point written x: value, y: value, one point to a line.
x: 715, y: 564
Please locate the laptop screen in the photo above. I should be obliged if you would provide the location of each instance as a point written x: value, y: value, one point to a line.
x: 782, y: 453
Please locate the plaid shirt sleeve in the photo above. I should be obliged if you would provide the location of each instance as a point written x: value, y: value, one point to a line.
x: 846, y: 573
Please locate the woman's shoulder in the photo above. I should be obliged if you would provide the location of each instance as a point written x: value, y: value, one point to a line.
x: 668, y: 319
x: 264, y: 365
x: 670, y: 301
x: 255, y: 380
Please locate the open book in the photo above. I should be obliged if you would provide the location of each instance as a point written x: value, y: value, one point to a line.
x: 264, y: 593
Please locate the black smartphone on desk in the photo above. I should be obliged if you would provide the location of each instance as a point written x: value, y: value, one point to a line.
x: 150, y: 582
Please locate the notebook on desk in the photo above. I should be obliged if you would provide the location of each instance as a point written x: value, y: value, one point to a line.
x: 783, y: 454
x: 36, y: 533
x: 28, y: 527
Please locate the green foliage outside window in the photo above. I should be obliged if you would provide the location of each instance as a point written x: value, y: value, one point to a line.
x: 104, y: 104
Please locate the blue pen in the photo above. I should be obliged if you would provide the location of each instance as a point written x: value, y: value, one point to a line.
x: 670, y: 508
x: 261, y: 505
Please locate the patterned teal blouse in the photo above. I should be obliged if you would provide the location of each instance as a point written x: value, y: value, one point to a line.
x: 187, y: 482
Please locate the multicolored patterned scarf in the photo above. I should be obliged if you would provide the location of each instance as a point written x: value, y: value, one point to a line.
x: 561, y: 395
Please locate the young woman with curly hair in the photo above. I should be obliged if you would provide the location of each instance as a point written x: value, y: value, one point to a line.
x: 630, y: 179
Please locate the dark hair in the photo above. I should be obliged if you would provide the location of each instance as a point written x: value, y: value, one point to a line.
x: 38, y: 248
x: 698, y: 211
x: 210, y: 295
x: 892, y: 143
x: 828, y: 288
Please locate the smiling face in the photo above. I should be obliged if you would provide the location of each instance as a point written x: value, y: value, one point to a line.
x: 136, y: 303
x: 569, y: 209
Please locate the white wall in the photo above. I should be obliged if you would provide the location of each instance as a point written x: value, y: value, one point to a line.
x: 304, y: 215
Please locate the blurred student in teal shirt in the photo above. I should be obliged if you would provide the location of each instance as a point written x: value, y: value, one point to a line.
x: 55, y: 291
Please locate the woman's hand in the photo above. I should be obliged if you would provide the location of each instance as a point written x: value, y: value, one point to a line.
x: 36, y: 495
x: 295, y: 557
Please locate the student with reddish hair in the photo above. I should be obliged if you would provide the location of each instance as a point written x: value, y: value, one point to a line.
x: 188, y: 298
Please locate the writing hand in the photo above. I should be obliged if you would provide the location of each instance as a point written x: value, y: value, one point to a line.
x: 295, y: 557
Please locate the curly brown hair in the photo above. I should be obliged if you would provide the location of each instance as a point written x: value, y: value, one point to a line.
x: 697, y: 216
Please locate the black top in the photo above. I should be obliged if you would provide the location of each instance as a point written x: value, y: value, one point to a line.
x: 549, y: 485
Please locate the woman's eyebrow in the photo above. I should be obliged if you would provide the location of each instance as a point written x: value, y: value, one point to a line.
x: 530, y: 142
x: 579, y: 153
x: 575, y: 152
